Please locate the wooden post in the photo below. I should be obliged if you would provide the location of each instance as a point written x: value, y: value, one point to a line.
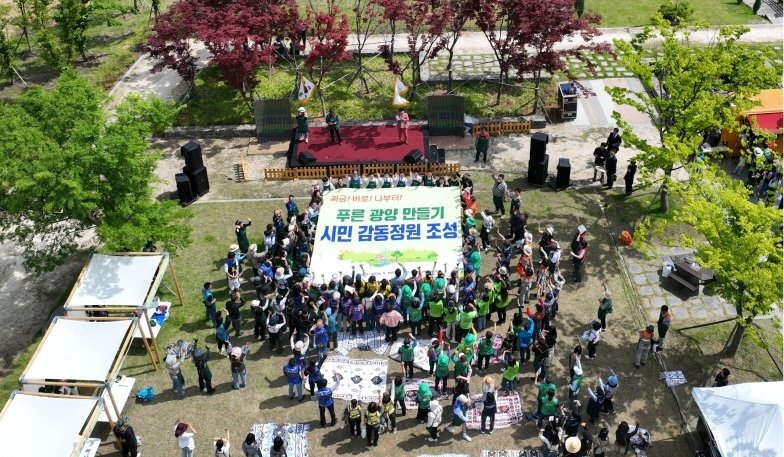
x: 117, y: 411
x: 149, y: 351
x: 176, y: 283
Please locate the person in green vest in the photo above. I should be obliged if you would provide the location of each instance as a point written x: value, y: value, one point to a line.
x: 355, y: 180
x: 433, y: 353
x: 372, y: 181
x: 502, y: 304
x: 435, y: 311
x: 467, y: 346
x: 424, y: 395
x: 465, y: 320
x: 386, y: 182
x: 450, y: 319
x: 428, y: 180
x: 302, y: 124
x: 486, y: 351
x: 462, y: 367
x: 549, y: 407
x: 416, y: 180
x: 543, y: 387
x: 575, y: 384
x: 442, y: 372
x: 399, y: 394
x: 605, y: 307
x: 402, y: 181
x: 241, y: 231
x: 509, y: 374
x: 439, y: 285
x: 425, y: 292
x: 482, y: 311
x: 482, y: 144
x: 333, y: 124
x: 406, y: 297
x: 468, y: 222
x: 415, y: 317
x: 406, y: 353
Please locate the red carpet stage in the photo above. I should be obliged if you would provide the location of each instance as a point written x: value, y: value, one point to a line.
x: 361, y: 145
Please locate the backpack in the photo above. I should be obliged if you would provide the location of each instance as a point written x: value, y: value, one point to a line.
x: 221, y: 333
x: 145, y: 394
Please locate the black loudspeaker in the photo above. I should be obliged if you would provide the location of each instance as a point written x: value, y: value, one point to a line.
x: 441, y: 155
x: 184, y: 190
x: 539, y: 142
x: 537, y: 171
x: 414, y: 156
x: 564, y: 171
x: 306, y: 158
x: 192, y: 153
x: 200, y: 183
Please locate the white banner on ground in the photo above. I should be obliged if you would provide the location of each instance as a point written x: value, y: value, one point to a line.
x: 379, y: 228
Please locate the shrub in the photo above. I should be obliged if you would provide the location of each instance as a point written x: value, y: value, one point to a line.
x: 676, y: 12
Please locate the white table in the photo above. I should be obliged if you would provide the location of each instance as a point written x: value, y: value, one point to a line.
x: 90, y: 448
x: 121, y: 390
x: 143, y: 324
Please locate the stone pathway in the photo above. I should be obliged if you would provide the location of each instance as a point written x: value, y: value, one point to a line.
x: 656, y: 291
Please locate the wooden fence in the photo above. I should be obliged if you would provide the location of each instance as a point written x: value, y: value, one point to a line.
x: 504, y: 127
x: 311, y: 173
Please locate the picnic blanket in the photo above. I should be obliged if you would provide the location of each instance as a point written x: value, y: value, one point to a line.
x: 673, y: 378
x: 363, y: 379
x: 294, y: 435
x: 370, y: 340
x: 411, y: 387
x: 509, y: 411
x: 510, y: 453
x: 420, y: 353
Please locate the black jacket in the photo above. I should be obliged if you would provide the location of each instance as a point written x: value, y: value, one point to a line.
x: 611, y: 165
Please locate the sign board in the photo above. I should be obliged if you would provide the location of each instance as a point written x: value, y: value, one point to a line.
x: 379, y: 228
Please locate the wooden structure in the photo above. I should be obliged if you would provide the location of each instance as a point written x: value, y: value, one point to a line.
x: 689, y: 274
x: 241, y: 170
x: 445, y: 115
x: 288, y: 174
x: 504, y: 127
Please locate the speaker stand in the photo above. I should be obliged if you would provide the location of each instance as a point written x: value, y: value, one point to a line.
x: 551, y: 182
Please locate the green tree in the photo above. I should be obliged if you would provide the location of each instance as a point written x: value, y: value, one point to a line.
x: 41, y: 20
x: 740, y: 240
x: 69, y: 172
x: 689, y: 90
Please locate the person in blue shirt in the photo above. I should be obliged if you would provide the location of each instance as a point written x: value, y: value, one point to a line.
x: 291, y: 207
x: 525, y: 338
x: 325, y: 400
x: 321, y: 336
x: 313, y: 372
x: 293, y: 373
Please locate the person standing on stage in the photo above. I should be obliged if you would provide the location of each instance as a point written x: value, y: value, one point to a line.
x: 302, y: 124
x: 482, y: 144
x: 333, y: 124
x: 401, y: 119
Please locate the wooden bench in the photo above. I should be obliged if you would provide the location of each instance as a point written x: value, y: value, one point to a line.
x: 683, y: 282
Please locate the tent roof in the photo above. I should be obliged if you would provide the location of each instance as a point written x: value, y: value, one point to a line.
x: 118, y: 280
x: 745, y: 419
x: 770, y: 122
x: 79, y: 350
x: 42, y: 426
x: 771, y: 101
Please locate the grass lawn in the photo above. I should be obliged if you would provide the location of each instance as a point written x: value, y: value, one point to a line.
x: 637, y: 14
x: 214, y: 103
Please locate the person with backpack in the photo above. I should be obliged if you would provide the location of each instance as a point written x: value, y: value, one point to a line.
x: 200, y: 360
x: 173, y: 363
x: 605, y: 307
x: 325, y: 400
x: 222, y: 446
x: 610, y: 387
x: 433, y: 352
x: 372, y: 423
x: 237, y: 361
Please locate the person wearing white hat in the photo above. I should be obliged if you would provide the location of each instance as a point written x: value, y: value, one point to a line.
x: 302, y: 124
x: 459, y: 417
x: 487, y: 225
x: 573, y: 445
x: 237, y: 360
x: 525, y: 268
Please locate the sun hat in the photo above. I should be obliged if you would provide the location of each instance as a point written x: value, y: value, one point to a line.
x: 503, y: 271
x: 550, y: 229
x: 488, y: 380
x: 462, y: 399
x: 578, y: 370
x: 236, y: 352
x: 472, y: 231
x: 253, y: 247
x: 234, y: 247
x: 301, y: 109
x: 298, y: 346
x: 470, y: 339
x: 573, y: 444
x: 469, y: 212
x: 527, y: 250
x: 255, y: 303
x: 279, y: 273
x: 528, y: 237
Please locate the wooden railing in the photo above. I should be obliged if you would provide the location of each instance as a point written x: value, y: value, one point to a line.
x: 504, y: 127
x: 289, y: 174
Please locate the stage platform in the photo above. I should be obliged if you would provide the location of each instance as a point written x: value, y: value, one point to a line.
x: 362, y: 145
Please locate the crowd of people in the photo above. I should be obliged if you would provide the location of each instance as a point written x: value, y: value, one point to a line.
x: 462, y: 309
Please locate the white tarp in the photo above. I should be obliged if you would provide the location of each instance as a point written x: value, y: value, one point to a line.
x: 36, y: 426
x: 78, y: 350
x: 745, y: 419
x: 116, y: 280
x: 376, y: 229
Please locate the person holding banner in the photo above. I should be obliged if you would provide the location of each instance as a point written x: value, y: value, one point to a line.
x: 402, y: 119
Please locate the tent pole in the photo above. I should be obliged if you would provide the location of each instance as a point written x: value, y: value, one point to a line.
x: 117, y: 411
x: 176, y: 283
x: 152, y: 337
x: 149, y: 352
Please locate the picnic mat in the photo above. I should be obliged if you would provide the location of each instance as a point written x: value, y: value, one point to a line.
x: 509, y: 411
x: 510, y: 453
x: 294, y: 435
x: 412, y: 385
x: 673, y: 378
x: 420, y: 353
x: 370, y: 340
x: 363, y: 379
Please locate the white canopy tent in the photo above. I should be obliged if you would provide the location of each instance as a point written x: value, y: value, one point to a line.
x: 744, y: 419
x: 40, y: 425
x: 84, y: 354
